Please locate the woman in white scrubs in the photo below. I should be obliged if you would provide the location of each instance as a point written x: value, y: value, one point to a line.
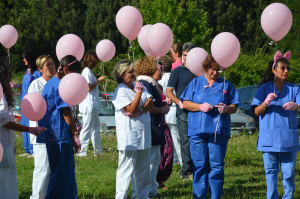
x: 41, y: 170
x: 90, y: 107
x: 132, y: 104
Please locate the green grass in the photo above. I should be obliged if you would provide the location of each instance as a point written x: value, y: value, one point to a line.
x: 96, y: 177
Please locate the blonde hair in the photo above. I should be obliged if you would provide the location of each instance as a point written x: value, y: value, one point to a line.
x: 120, y: 69
x: 145, y: 66
x: 41, y: 60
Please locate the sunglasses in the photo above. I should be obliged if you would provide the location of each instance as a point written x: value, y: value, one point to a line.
x: 285, y: 68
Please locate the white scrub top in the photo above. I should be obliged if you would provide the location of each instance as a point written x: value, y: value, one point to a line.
x: 36, y: 86
x: 91, y: 103
x: 7, y: 136
x: 133, y: 133
x: 171, y: 116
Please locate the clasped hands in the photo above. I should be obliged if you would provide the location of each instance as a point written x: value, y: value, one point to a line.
x: 206, y: 107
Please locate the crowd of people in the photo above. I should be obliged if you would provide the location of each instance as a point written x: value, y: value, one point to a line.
x: 163, y: 112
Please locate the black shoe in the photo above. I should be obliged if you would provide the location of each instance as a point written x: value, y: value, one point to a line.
x: 158, y: 195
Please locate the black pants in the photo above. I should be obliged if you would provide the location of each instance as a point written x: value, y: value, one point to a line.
x: 187, y: 163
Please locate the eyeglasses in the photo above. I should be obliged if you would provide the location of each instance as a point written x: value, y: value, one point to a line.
x: 285, y: 68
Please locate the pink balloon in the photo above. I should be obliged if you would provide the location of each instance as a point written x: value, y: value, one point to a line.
x: 73, y: 88
x: 1, y: 151
x: 160, y: 39
x: 69, y: 44
x: 148, y: 54
x: 225, y: 48
x: 129, y: 22
x: 143, y: 39
x: 8, y: 36
x: 1, y: 92
x: 33, y: 106
x: 276, y: 20
x: 194, y: 60
x: 105, y: 50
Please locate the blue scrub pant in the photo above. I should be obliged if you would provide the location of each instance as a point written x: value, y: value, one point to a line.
x: 62, y: 182
x: 26, y: 137
x: 287, y: 163
x: 208, y: 159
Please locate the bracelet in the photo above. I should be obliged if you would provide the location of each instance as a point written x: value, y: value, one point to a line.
x: 264, y: 107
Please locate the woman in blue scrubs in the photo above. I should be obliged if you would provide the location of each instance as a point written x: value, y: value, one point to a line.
x: 209, y: 102
x: 29, y: 58
x: 61, y: 135
x: 278, y: 133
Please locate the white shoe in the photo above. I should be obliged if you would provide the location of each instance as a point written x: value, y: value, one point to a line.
x: 30, y: 156
x: 25, y: 154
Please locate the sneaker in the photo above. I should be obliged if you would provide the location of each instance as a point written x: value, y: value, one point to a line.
x: 30, y: 156
x: 25, y: 154
x: 158, y: 195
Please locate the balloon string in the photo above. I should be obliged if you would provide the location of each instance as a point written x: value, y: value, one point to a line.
x: 274, y: 68
x: 42, y: 132
x: 8, y: 56
x: 131, y: 49
x: 101, y: 66
x: 104, y: 89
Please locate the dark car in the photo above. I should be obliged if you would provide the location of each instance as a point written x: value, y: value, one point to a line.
x: 246, y: 96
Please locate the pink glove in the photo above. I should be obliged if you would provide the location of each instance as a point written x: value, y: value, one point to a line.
x: 180, y: 105
x: 165, y: 110
x: 36, y: 130
x: 139, y: 87
x: 76, y: 143
x: 205, y: 107
x: 290, y: 106
x: 14, y: 85
x: 270, y: 97
x: 136, y: 114
x: 77, y: 125
x: 222, y: 108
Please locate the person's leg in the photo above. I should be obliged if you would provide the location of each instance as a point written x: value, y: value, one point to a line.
x: 25, y: 135
x: 187, y: 164
x: 154, y: 165
x: 96, y: 137
x: 176, y: 141
x: 85, y: 134
x: 140, y: 170
x: 41, y: 171
x: 124, y: 173
x: 271, y: 164
x: 217, y: 152
x: 287, y: 163
x: 199, y: 155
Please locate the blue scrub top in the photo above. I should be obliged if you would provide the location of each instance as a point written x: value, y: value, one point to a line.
x: 27, y: 79
x: 54, y: 119
x: 278, y: 130
x: 201, y: 122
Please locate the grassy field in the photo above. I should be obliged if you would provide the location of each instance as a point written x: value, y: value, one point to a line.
x: 96, y: 177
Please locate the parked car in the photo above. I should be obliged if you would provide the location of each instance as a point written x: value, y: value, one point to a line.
x: 17, y: 107
x: 246, y: 96
x: 241, y: 122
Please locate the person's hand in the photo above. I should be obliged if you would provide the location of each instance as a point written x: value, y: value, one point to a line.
x: 165, y: 110
x: 139, y: 87
x: 290, y: 106
x: 36, y: 130
x: 169, y: 102
x: 100, y: 79
x: 136, y: 114
x: 205, y: 107
x: 77, y: 125
x: 180, y: 105
x: 222, y: 108
x: 14, y: 85
x: 269, y: 98
x: 76, y: 143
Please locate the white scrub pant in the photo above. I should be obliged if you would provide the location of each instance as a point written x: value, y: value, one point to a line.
x: 176, y: 140
x: 155, y: 157
x: 135, y: 163
x: 41, y: 172
x: 287, y: 162
x: 90, y: 130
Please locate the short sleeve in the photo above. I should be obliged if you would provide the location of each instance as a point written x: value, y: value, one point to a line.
x: 188, y: 93
x: 233, y: 97
x: 58, y: 101
x: 87, y: 74
x: 121, y: 98
x: 36, y: 75
x: 173, y: 80
x: 259, y: 98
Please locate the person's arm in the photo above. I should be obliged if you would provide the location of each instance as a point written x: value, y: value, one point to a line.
x: 69, y: 119
x: 155, y: 110
x: 170, y: 94
x: 100, y: 79
x: 231, y: 109
x: 191, y: 106
x: 260, y: 109
x: 133, y: 107
x: 148, y: 105
x: 16, y: 127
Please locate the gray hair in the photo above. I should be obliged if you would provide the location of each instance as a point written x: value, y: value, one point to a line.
x: 120, y: 69
x: 188, y: 46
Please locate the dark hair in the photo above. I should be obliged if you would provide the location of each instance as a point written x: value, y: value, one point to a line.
x: 177, y: 48
x: 31, y: 57
x: 209, y: 62
x: 90, y: 60
x: 166, y: 62
x: 74, y: 64
x: 188, y: 46
x: 269, y: 75
x: 5, y: 70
